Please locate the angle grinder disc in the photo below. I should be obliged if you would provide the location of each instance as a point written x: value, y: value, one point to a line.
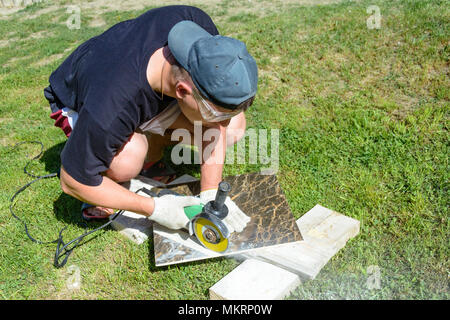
x: 209, y: 234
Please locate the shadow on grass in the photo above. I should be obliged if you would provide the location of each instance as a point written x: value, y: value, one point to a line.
x: 66, y: 208
x: 51, y: 157
x: 191, y: 169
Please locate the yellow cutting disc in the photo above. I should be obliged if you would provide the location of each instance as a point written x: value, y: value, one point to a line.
x: 209, y: 235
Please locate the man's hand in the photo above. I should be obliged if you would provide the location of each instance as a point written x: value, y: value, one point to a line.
x: 169, y: 210
x: 236, y: 220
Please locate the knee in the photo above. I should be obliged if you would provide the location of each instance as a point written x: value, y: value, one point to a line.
x: 128, y: 161
x: 236, y: 129
x: 121, y: 175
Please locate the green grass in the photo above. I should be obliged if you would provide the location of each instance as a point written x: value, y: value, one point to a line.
x: 363, y: 119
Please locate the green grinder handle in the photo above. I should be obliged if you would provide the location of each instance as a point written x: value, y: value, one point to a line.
x: 192, y: 211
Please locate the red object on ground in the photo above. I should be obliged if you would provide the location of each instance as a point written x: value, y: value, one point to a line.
x: 62, y: 122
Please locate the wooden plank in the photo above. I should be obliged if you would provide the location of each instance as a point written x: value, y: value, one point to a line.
x: 313, y: 218
x: 273, y: 272
x: 133, y: 226
x: 255, y: 280
x: 325, y: 232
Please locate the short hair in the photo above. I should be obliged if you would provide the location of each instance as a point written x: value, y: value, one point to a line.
x: 182, y: 74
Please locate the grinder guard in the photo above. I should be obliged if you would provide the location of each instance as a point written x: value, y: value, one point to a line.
x: 208, y: 226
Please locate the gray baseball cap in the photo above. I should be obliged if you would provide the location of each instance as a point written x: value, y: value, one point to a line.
x: 221, y: 67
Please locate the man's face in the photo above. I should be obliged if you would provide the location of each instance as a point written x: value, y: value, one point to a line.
x: 190, y: 106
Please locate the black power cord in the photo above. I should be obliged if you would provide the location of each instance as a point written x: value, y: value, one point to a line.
x: 63, y: 250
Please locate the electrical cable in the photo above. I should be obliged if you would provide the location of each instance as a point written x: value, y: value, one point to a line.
x: 62, y: 249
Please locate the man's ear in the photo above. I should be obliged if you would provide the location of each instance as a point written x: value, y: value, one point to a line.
x: 182, y: 89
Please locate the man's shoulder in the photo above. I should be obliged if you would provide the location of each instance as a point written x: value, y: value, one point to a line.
x: 178, y: 9
x: 169, y: 14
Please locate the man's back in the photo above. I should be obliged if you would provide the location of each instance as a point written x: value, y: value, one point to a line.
x: 105, y: 81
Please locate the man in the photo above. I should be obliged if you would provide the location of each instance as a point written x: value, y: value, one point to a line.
x: 119, y: 93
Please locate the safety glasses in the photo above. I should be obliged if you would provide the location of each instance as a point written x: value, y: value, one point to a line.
x: 208, y: 112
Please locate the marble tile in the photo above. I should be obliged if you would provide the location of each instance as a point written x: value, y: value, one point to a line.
x: 259, y: 196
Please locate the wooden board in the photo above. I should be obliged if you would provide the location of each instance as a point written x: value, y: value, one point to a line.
x: 255, y: 280
x: 273, y: 272
x: 325, y: 232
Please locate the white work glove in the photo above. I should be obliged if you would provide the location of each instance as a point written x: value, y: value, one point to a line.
x: 169, y: 210
x: 236, y: 220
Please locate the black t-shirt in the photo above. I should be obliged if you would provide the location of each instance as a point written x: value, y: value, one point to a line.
x: 105, y: 81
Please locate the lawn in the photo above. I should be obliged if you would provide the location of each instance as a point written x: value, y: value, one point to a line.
x: 362, y: 116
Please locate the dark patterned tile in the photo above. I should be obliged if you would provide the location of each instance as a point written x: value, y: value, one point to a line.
x: 260, y: 197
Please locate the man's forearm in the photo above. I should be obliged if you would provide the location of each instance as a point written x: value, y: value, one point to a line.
x: 212, y: 165
x: 108, y: 194
x: 211, y: 175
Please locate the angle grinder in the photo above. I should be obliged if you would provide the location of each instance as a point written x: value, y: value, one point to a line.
x: 206, y: 220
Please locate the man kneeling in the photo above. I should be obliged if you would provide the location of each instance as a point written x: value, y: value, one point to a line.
x: 118, y: 96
